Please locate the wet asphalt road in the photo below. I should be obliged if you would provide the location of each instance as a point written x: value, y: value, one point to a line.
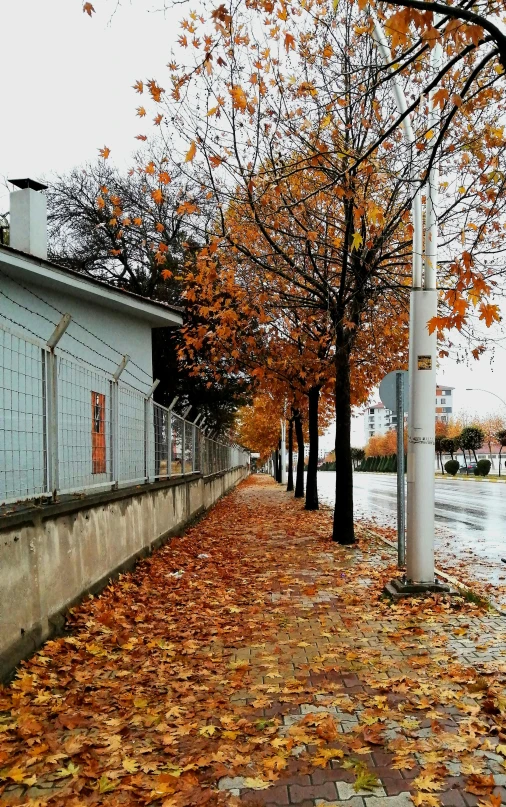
x: 470, y: 517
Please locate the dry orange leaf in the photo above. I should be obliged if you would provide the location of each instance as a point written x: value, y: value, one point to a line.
x: 190, y: 155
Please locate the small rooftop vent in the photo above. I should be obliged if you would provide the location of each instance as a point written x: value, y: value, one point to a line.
x: 28, y: 183
x: 28, y: 220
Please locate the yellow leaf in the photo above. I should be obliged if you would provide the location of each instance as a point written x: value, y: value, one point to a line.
x: 256, y: 784
x: 357, y: 241
x: 17, y: 774
x: 105, y: 785
x: 424, y: 782
x: 104, y: 152
x: 157, y: 196
x: 130, y: 764
x: 275, y: 763
x: 191, y: 152
x: 425, y: 798
x: 213, y: 111
x: 208, y: 731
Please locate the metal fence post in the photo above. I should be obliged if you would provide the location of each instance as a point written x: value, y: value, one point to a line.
x: 45, y: 420
x: 183, y: 447
x: 51, y: 389
x: 148, y: 425
x: 401, y: 505
x: 115, y: 421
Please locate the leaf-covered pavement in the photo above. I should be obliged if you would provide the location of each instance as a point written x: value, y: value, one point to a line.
x: 252, y: 661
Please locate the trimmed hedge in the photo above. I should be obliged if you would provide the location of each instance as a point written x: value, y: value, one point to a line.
x: 483, y: 468
x: 452, y: 467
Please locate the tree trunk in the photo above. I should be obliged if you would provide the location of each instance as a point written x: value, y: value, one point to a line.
x: 465, y: 461
x: 299, y: 479
x: 289, y: 486
x: 500, y: 452
x: 343, y: 531
x: 277, y: 476
x: 312, y: 466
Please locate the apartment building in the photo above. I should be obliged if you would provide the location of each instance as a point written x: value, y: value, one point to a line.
x: 379, y: 420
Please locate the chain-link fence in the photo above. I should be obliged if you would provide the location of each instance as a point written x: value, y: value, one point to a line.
x: 66, y: 427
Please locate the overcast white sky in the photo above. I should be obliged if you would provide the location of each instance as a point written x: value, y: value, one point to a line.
x: 67, y: 91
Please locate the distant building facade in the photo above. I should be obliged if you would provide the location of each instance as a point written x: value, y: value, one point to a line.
x: 378, y: 420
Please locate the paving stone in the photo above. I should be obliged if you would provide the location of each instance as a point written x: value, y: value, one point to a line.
x: 332, y: 775
x: 310, y: 708
x: 299, y: 794
x: 277, y: 795
x: 231, y: 783
x: 346, y: 791
x: 452, y: 798
x: 402, y: 800
x: 356, y: 801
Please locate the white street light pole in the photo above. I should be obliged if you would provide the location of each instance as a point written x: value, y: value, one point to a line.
x: 283, y: 452
x: 478, y: 389
x: 422, y: 351
x: 422, y: 364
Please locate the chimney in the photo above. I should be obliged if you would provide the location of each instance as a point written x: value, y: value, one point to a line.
x: 28, y: 219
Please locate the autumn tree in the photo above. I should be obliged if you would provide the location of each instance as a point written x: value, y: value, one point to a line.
x: 340, y: 238
x: 501, y: 439
x: 122, y: 229
x: 255, y: 325
x: 471, y: 439
x: 115, y: 227
x: 270, y: 97
x: 491, y: 424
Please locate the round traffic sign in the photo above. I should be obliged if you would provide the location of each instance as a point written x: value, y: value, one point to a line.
x: 388, y: 390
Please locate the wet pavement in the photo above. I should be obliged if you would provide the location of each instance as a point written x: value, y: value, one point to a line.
x: 470, y: 519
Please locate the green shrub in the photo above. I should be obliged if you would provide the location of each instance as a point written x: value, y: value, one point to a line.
x: 483, y: 468
x: 452, y: 467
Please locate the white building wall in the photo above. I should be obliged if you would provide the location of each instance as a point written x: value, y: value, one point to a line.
x: 85, y: 365
x: 124, y: 334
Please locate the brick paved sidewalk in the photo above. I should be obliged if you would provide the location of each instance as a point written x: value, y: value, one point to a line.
x: 330, y: 693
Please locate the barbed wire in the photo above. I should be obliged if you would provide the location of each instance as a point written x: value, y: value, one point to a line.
x: 80, y: 359
x: 70, y: 335
x: 76, y: 322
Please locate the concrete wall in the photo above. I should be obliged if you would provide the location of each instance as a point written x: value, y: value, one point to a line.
x: 51, y: 556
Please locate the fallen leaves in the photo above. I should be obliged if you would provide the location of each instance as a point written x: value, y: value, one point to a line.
x: 160, y: 690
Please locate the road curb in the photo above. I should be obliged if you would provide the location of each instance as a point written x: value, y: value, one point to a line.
x: 444, y: 478
x: 449, y: 579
